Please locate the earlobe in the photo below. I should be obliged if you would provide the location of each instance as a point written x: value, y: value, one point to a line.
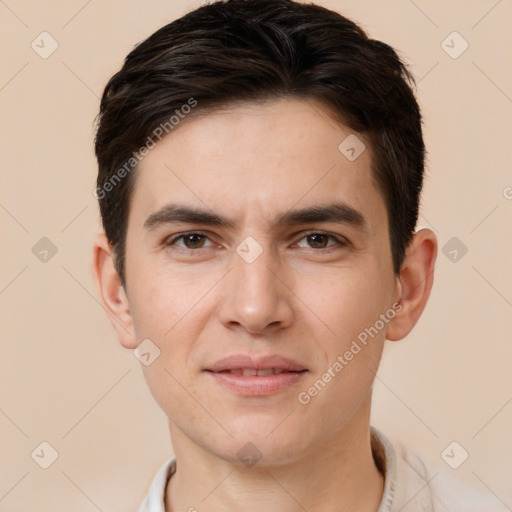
x: 414, y: 283
x: 113, y: 296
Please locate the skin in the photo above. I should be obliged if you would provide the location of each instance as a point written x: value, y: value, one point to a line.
x: 303, y: 298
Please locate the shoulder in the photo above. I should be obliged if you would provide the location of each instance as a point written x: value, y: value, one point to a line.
x: 426, y: 486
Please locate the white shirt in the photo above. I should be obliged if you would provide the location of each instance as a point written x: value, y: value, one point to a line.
x: 410, y: 485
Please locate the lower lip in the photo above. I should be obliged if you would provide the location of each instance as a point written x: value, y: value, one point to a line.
x: 258, y: 386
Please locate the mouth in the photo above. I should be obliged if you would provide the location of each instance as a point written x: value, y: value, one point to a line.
x: 252, y: 376
x: 251, y: 372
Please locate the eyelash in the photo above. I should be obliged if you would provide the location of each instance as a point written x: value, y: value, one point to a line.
x: 340, y: 241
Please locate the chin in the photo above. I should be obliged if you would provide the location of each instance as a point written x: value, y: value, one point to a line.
x: 265, y: 440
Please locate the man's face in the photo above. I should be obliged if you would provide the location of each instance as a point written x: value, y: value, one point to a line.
x: 286, y: 261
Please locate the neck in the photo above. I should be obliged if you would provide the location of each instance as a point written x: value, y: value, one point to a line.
x: 340, y: 475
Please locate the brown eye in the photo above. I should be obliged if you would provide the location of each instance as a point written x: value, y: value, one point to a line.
x: 189, y: 241
x: 194, y: 241
x: 318, y: 241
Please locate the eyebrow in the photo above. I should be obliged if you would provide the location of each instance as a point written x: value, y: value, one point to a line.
x: 336, y: 212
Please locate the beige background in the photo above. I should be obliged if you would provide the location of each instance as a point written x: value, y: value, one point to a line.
x: 65, y: 379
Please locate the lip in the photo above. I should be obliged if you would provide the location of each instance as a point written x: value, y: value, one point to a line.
x: 255, y: 363
x: 291, y: 372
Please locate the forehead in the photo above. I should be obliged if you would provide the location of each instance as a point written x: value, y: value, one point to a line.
x: 258, y: 160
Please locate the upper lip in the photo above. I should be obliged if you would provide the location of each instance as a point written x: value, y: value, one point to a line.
x: 242, y: 361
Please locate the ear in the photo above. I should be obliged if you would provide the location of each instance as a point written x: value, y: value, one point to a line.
x: 113, y: 296
x: 414, y: 283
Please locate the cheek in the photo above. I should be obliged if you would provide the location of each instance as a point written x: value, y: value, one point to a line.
x: 349, y: 303
x: 162, y: 302
x: 170, y: 320
x: 351, y: 345
x: 171, y: 310
x: 343, y: 303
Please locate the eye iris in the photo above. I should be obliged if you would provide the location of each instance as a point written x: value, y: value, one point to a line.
x: 318, y: 241
x: 194, y: 241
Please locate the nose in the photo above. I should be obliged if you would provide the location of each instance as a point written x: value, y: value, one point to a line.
x: 256, y: 297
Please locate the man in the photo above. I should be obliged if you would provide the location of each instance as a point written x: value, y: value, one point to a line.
x: 260, y: 167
